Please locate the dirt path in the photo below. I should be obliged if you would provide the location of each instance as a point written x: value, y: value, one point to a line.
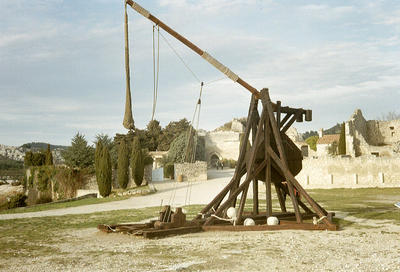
x: 201, y: 193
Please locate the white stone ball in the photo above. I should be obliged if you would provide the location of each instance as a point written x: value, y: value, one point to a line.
x: 249, y: 222
x: 272, y: 221
x: 231, y: 212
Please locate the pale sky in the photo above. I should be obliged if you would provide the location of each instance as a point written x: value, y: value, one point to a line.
x: 62, y: 62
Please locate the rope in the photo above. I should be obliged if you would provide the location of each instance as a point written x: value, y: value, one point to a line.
x: 181, y: 59
x: 214, y: 80
x: 194, y: 148
x: 155, y: 73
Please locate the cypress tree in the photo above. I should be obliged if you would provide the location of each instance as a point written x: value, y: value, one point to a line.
x: 97, y: 158
x: 49, y: 156
x: 342, y: 141
x: 103, y: 169
x: 123, y: 164
x: 137, y: 164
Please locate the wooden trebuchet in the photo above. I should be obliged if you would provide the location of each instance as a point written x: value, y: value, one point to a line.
x: 272, y: 158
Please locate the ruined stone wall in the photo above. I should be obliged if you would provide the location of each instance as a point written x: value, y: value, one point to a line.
x: 368, y: 137
x: 191, y: 171
x: 360, y: 172
x: 383, y: 132
x: 225, y: 144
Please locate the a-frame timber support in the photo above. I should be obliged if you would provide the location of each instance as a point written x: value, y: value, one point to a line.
x: 274, y: 159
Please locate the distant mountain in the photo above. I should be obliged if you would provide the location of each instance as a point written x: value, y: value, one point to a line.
x: 333, y: 130
x: 36, y: 146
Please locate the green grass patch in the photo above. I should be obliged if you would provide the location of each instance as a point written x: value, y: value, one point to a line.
x: 53, y: 206
x: 367, y: 203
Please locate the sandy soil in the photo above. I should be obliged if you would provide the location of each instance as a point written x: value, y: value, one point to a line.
x: 365, y: 249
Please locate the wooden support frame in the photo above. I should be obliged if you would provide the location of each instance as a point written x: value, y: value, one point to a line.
x: 266, y: 130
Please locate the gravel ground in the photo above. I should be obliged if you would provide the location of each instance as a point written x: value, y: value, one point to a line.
x: 365, y: 249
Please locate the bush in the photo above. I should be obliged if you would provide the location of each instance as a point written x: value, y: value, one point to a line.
x: 42, y: 180
x: 169, y: 170
x: 229, y: 163
x: 44, y: 199
x: 137, y: 163
x: 16, y: 201
x: 123, y: 164
x: 179, y: 147
x: 68, y: 181
x: 312, y: 142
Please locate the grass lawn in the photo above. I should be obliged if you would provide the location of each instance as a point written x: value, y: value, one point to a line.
x: 75, y: 203
x: 365, y: 203
x: 53, y: 206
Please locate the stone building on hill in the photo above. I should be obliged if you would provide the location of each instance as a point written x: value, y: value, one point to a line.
x: 372, y: 137
x: 223, y: 143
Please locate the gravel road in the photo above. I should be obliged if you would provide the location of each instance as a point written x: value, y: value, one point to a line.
x: 202, y: 192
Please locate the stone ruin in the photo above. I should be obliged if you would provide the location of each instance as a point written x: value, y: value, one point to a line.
x: 372, y: 137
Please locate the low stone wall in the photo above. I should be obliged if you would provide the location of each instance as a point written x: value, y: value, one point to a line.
x: 360, y: 172
x: 191, y: 171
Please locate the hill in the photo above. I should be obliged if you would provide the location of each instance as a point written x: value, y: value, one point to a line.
x: 36, y: 146
x: 333, y: 130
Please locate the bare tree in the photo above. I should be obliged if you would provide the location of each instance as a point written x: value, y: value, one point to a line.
x: 391, y: 115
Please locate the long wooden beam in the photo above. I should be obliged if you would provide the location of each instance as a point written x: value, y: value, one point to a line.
x: 195, y: 48
x: 214, y: 62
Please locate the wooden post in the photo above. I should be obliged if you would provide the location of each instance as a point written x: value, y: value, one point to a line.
x: 268, y: 194
x: 275, y: 129
x: 280, y: 198
x: 253, y: 114
x: 255, y: 181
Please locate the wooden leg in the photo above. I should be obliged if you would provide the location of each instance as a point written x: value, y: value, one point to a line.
x: 242, y: 186
x: 280, y: 198
x: 268, y: 194
x: 275, y: 129
x: 255, y: 196
x: 242, y: 204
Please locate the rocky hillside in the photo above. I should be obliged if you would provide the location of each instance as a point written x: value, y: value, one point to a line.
x: 17, y: 153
